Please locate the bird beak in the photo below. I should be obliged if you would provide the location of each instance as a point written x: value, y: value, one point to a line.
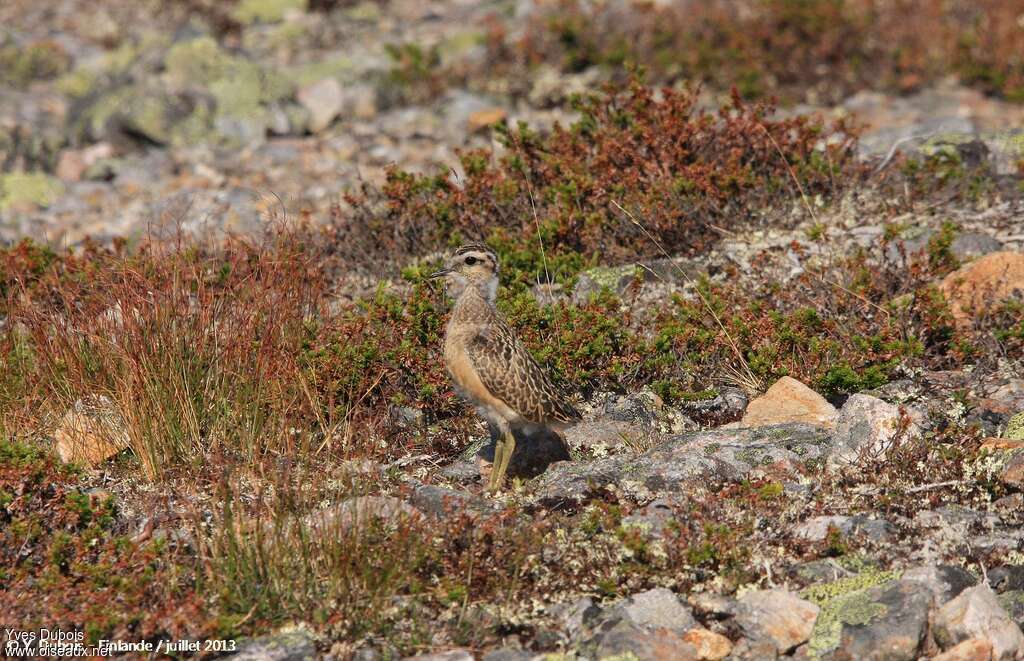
x: 439, y: 274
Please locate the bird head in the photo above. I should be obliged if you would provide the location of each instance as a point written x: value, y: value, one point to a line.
x: 474, y: 265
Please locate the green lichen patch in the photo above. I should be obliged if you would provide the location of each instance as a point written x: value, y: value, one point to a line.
x: 266, y: 11
x: 28, y: 188
x: 1015, y: 427
x: 845, y: 601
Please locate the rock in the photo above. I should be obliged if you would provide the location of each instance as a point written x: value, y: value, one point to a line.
x: 972, y: 649
x: 777, y: 616
x: 965, y: 246
x: 659, y: 608
x: 482, y: 119
x: 652, y: 518
x: 91, y: 432
x: 621, y: 638
x: 548, y: 293
x: 296, y: 644
x: 638, y: 408
x: 824, y: 570
x: 1011, y: 475
x: 361, y: 101
x: 678, y: 461
x: 788, y: 400
x: 360, y: 510
x: 977, y: 613
x: 594, y: 438
x: 74, y: 163
x: 709, y: 645
x: 866, y: 426
x: 576, y: 617
x: 28, y: 191
x: 727, y: 405
x: 440, y: 502
x: 944, y: 581
x: 509, y: 654
x: 592, y: 281
x: 1013, y: 602
x: 1007, y: 577
x: 323, y: 99
x: 889, y: 622
x: 816, y: 528
x: 983, y: 284
x: 868, y: 609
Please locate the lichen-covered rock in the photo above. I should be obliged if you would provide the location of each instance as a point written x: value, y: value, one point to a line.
x: 866, y: 426
x: 1012, y: 602
x: 816, y: 528
x: 266, y: 11
x: 944, y: 581
x: 440, y: 502
x: 1007, y: 577
x: 844, y: 602
x: 724, y: 454
x: 592, y: 281
x: 1015, y: 427
x: 977, y: 613
x: 598, y: 438
x: 727, y: 405
x: 886, y: 622
x: 619, y: 638
x: 965, y: 245
x: 1011, y: 474
x: 28, y: 189
x: 361, y: 511
x: 295, y: 644
x: 786, y: 401
x: 777, y: 616
x: 659, y: 608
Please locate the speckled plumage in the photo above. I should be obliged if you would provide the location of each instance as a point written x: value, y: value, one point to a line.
x: 487, y: 361
x: 503, y: 364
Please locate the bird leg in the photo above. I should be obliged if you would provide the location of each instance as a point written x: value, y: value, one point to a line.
x: 503, y: 449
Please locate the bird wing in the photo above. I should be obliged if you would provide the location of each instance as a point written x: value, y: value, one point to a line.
x: 508, y: 370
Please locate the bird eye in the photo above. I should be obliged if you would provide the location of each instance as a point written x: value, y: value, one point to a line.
x: 471, y: 260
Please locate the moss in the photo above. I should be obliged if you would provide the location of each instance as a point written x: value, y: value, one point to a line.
x: 28, y: 188
x: 265, y: 11
x: 845, y: 601
x: 1015, y: 427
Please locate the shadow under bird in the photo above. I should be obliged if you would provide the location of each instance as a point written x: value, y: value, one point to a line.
x: 489, y: 364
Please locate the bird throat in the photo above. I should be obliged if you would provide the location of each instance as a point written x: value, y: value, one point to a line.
x: 486, y: 289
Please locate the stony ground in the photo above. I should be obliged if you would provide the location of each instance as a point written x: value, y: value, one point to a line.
x: 875, y: 514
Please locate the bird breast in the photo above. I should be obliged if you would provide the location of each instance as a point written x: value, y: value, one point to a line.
x: 463, y: 372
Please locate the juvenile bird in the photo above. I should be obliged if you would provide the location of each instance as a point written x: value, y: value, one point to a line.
x: 489, y: 364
